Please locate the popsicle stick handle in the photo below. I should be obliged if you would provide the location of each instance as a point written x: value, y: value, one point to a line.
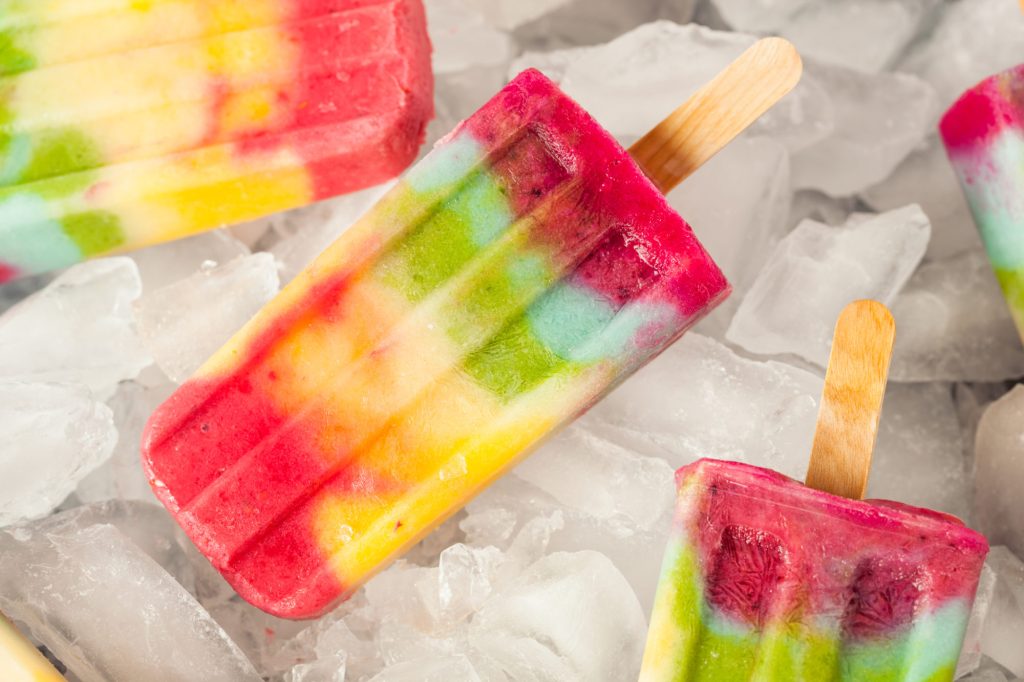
x: 718, y: 112
x: 851, y: 402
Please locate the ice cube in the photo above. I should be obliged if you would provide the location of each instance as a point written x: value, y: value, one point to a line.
x: 109, y: 611
x: 879, y: 119
x: 472, y: 54
x: 919, y: 456
x: 509, y: 15
x: 953, y: 324
x: 550, y: 524
x: 251, y: 233
x: 970, y: 652
x: 567, y: 617
x: 661, y: 64
x: 1004, y: 627
x: 464, y: 36
x: 609, y: 483
x: 993, y: 673
x: 465, y: 577
x: 77, y: 330
x: 148, y: 526
x: 972, y: 40
x: 700, y: 399
x: 738, y: 204
x: 816, y: 271
x: 145, y: 524
x: 497, y: 615
x: 51, y: 437
x: 445, y: 669
x: 184, y: 323
x: 927, y: 178
x: 817, y: 206
x: 588, y: 22
x: 759, y: 15
x: 121, y: 476
x: 328, y: 669
x: 971, y: 401
x: 167, y: 263
x: 999, y: 471
x: 837, y: 31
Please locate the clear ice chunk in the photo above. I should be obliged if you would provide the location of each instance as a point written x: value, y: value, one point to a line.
x: 879, y: 119
x: 184, y: 323
x: 121, y: 476
x: 700, y: 399
x: 738, y: 204
x: 954, y: 325
x: 919, y: 454
x: 170, y: 262
x: 567, y: 617
x: 78, y: 329
x: 926, y: 178
x: 817, y: 270
x: 661, y: 64
x: 1003, y: 631
x: 972, y: 40
x: 999, y: 474
x: 51, y: 437
x: 108, y: 610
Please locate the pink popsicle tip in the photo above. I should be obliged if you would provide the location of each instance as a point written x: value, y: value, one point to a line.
x: 868, y: 513
x: 990, y: 106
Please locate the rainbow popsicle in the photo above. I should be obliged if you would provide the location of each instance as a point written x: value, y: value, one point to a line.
x: 511, y: 279
x: 20, y: 661
x: 766, y: 579
x: 124, y: 122
x: 984, y: 136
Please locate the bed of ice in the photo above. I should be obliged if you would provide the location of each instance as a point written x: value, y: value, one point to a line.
x: 841, y: 192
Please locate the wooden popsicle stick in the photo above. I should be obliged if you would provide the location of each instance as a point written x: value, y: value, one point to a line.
x: 19, y: 658
x: 718, y: 112
x: 851, y: 402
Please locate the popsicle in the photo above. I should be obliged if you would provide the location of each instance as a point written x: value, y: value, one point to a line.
x: 984, y: 137
x: 769, y: 579
x: 508, y: 281
x: 20, y: 661
x: 127, y: 123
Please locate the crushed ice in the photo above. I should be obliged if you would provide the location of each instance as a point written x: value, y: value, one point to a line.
x: 550, y: 574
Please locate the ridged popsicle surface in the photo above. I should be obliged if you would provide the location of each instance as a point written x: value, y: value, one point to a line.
x: 509, y: 280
